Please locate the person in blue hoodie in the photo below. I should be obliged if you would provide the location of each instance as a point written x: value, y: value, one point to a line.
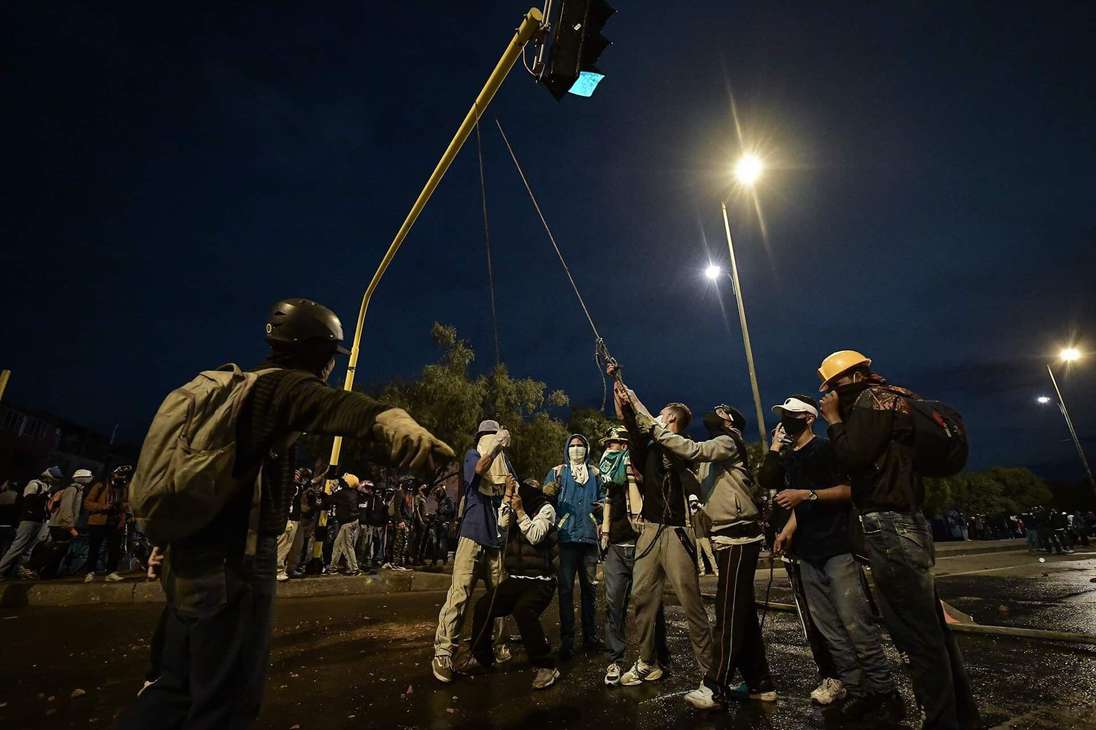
x: 578, y: 509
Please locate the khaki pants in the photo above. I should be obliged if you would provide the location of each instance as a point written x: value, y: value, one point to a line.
x: 662, y: 558
x: 346, y: 546
x: 285, y: 542
x: 472, y: 561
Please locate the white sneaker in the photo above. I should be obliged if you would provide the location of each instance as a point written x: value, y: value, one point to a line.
x: 146, y: 685
x: 282, y: 576
x: 114, y: 577
x: 503, y: 654
x: 702, y: 698
x: 612, y: 675
x: 89, y: 578
x: 831, y: 690
x: 640, y: 673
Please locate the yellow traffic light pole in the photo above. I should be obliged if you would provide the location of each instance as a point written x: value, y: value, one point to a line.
x: 530, y: 24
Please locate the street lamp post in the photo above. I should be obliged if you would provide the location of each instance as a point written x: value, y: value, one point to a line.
x: 1068, y: 355
x: 747, y: 171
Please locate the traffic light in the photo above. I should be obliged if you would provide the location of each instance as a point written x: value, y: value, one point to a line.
x: 576, y: 44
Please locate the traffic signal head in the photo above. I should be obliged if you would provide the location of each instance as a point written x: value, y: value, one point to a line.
x: 576, y: 44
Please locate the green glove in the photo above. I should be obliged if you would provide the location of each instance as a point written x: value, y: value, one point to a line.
x: 401, y: 441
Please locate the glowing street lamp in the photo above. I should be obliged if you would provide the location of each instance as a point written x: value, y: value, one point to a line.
x: 712, y: 272
x: 1043, y: 400
x: 1069, y: 355
x: 746, y: 171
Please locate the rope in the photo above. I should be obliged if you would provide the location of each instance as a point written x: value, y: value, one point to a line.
x: 549, y: 232
x: 487, y: 242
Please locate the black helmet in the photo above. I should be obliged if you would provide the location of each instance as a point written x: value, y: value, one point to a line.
x: 296, y: 321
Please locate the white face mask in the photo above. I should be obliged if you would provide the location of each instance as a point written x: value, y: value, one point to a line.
x: 577, y: 453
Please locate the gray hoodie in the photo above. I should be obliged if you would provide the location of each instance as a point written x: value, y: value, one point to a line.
x: 727, y: 487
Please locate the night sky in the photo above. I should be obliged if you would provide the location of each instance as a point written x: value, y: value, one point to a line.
x: 930, y: 198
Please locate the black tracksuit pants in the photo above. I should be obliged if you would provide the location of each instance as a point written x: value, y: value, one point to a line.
x: 525, y: 599
x: 736, y: 637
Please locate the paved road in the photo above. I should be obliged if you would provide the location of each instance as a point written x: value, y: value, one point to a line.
x: 359, y: 662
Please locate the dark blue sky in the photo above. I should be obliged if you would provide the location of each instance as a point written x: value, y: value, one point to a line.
x: 930, y: 198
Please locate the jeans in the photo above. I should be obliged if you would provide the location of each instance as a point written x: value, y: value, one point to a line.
x: 900, y: 549
x: 819, y: 650
x: 97, y: 534
x: 581, y: 558
x: 380, y: 543
x: 525, y: 599
x: 841, y: 614
x: 212, y: 646
x: 618, y: 567
x: 26, y: 537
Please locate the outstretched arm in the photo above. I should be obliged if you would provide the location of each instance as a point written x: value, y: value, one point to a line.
x: 721, y: 448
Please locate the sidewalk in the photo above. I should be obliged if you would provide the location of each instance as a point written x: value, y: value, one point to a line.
x: 136, y: 589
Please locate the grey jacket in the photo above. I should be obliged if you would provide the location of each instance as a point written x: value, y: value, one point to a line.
x: 69, y: 510
x: 727, y: 488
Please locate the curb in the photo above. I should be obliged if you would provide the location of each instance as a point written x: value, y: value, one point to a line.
x: 60, y: 594
x: 64, y: 593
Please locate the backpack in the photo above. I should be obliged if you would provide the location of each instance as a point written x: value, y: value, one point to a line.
x: 940, y: 445
x: 184, y: 475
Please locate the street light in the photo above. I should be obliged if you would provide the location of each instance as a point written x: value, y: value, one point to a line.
x: 746, y: 171
x: 1043, y: 400
x: 1069, y: 355
x: 712, y: 272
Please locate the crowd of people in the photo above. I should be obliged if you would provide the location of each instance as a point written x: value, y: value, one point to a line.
x: 658, y: 504
x: 1046, y: 529
x: 652, y: 509
x: 359, y: 526
x: 53, y: 526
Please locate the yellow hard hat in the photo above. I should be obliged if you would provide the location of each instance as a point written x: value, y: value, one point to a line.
x: 351, y: 480
x: 839, y: 363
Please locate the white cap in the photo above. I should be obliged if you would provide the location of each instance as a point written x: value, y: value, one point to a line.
x: 82, y: 475
x: 796, y: 405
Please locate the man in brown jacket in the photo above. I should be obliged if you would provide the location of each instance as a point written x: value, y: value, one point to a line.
x: 103, y: 504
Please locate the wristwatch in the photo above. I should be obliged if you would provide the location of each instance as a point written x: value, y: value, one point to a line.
x: 813, y: 496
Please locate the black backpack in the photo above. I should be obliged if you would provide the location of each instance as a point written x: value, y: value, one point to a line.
x: 940, y: 443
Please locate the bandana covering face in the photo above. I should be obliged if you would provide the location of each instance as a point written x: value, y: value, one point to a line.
x: 714, y: 424
x: 614, y: 466
x: 577, y: 455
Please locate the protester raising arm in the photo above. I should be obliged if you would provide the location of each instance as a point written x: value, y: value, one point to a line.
x: 487, y: 459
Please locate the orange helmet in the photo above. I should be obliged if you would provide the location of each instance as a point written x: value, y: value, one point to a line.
x: 838, y: 364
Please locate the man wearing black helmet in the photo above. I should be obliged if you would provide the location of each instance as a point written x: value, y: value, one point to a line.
x: 220, y: 580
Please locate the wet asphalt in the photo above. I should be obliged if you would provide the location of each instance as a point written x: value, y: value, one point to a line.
x: 363, y: 662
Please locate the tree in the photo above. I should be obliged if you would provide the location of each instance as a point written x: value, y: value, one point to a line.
x: 449, y: 400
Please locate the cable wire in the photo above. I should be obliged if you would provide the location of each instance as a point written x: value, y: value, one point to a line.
x: 548, y: 230
x: 487, y: 242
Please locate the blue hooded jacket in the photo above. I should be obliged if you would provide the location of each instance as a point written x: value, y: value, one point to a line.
x: 575, y: 502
